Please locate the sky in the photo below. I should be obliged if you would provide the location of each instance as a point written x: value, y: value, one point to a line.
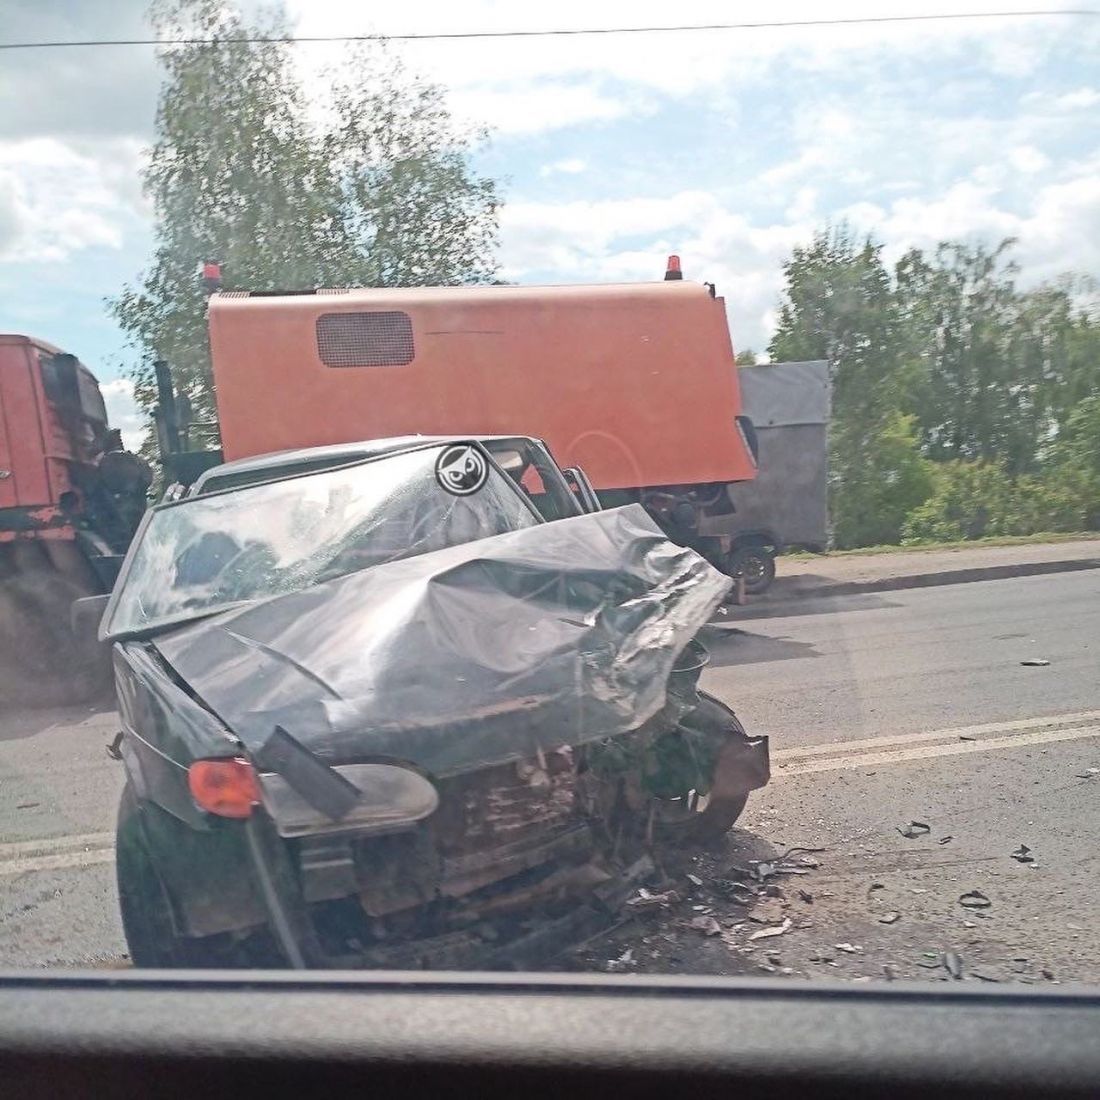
x: 729, y: 148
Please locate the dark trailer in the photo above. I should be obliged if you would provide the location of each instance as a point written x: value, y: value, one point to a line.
x: 786, y: 506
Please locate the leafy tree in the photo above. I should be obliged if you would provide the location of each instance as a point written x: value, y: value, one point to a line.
x: 986, y: 355
x: 746, y: 358
x: 378, y: 192
x: 1078, y: 336
x: 974, y: 500
x: 838, y: 304
x: 878, y: 494
x: 948, y: 359
x: 1075, y: 458
x: 414, y: 211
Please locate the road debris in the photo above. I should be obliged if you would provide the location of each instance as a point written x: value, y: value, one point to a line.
x: 1035, y: 662
x: 914, y: 829
x: 946, y: 839
x: 1023, y: 854
x: 967, y: 737
x: 1088, y: 773
x: 974, y: 899
x: 889, y: 918
x: 707, y: 925
x: 765, y: 869
x: 806, y: 896
x: 622, y: 962
x: 767, y: 933
x: 953, y: 964
x: 1047, y: 973
x: 889, y: 973
x: 740, y: 893
x: 695, y: 880
x: 848, y: 948
x: 798, y: 848
x: 767, y: 912
x: 644, y: 899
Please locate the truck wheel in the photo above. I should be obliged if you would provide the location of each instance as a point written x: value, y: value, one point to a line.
x: 41, y: 663
x: 756, y: 564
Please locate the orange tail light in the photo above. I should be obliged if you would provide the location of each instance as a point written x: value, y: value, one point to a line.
x: 228, y: 788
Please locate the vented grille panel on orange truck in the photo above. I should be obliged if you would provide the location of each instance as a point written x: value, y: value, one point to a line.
x: 383, y: 339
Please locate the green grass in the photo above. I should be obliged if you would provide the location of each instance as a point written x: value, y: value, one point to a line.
x: 962, y: 544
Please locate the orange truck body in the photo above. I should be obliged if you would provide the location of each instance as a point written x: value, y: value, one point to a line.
x: 39, y: 454
x: 635, y: 383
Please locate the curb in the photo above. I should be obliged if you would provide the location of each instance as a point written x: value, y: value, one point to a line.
x: 796, y: 591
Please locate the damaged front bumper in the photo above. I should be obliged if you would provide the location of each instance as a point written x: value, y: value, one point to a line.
x: 499, y: 870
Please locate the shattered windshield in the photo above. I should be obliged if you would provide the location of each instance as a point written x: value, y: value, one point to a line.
x: 202, y: 555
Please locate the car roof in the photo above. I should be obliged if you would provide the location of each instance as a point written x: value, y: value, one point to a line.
x: 333, y: 454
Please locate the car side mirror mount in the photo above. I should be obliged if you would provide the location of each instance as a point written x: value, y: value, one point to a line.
x: 581, y: 487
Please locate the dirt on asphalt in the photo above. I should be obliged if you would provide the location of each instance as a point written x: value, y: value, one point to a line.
x: 830, y: 880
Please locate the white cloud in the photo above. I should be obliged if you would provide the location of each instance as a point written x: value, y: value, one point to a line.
x: 570, y: 166
x: 532, y: 107
x: 1058, y: 232
x: 1080, y: 99
x: 589, y: 242
x: 965, y: 210
x: 803, y: 206
x: 57, y: 198
x: 123, y: 412
x: 1028, y: 159
x: 488, y: 74
x: 628, y: 239
x: 1063, y: 229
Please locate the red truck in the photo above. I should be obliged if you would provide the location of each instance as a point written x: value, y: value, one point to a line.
x: 70, y: 500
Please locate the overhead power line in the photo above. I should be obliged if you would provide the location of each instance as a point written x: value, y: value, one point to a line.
x: 562, y: 32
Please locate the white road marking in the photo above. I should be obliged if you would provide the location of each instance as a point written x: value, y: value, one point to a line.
x: 898, y: 752
x: 64, y: 862
x: 56, y: 853
x: 953, y: 734
x: 91, y: 849
x: 13, y: 848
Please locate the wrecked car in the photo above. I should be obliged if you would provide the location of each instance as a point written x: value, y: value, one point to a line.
x: 388, y: 714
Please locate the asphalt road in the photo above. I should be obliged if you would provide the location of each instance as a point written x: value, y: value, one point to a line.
x: 838, y: 668
x: 881, y: 709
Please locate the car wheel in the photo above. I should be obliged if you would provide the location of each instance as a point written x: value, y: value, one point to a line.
x: 756, y: 564
x: 143, y: 901
x: 703, y: 818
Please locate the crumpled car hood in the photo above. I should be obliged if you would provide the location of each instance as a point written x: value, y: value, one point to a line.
x: 473, y: 655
